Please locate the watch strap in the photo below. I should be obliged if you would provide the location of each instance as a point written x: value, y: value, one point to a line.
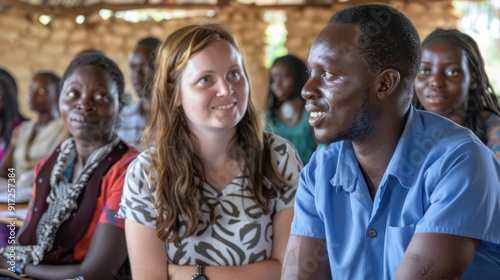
x: 200, y: 273
x: 200, y: 269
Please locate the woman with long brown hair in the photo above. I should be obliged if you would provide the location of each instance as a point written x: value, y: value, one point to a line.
x: 213, y: 197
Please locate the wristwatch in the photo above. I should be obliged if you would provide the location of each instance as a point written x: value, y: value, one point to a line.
x: 200, y: 273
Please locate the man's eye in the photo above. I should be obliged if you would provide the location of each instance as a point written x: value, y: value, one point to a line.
x: 327, y: 75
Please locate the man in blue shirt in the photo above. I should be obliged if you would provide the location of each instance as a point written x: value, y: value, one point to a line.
x: 396, y: 193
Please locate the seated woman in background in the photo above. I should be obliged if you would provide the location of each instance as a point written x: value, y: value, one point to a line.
x: 453, y: 83
x: 286, y: 115
x: 35, y: 139
x: 215, y: 190
x: 9, y: 118
x: 71, y: 228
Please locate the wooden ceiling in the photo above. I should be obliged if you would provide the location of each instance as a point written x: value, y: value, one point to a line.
x: 76, y: 7
x: 120, y: 5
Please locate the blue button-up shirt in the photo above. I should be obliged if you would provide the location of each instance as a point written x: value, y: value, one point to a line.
x: 441, y: 179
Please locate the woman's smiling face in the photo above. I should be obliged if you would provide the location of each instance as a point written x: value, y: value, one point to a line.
x: 214, y: 89
x: 444, y: 79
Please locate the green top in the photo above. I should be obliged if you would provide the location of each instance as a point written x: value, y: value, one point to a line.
x: 301, y: 135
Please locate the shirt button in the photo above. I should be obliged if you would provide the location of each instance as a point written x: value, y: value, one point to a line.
x: 372, y: 233
x: 362, y: 195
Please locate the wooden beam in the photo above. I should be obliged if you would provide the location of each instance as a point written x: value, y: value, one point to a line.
x: 62, y: 10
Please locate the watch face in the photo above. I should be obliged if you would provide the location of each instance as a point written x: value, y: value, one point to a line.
x: 200, y: 277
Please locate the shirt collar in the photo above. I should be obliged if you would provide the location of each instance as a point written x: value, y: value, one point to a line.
x: 347, y: 168
x: 409, y: 153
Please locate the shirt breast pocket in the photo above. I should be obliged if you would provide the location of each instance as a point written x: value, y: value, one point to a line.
x: 396, y: 241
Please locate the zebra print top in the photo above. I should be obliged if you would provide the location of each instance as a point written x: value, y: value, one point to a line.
x: 242, y: 233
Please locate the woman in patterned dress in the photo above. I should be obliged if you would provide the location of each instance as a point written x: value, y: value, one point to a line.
x: 213, y: 197
x: 452, y: 82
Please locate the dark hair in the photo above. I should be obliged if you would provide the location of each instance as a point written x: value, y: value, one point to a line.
x: 100, y: 61
x: 482, y: 98
x: 298, y: 69
x: 149, y: 41
x: 387, y: 39
x: 90, y: 50
x: 11, y: 116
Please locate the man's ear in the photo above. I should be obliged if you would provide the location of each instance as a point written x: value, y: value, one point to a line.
x: 387, y: 83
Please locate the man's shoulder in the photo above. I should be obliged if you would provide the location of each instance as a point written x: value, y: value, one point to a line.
x: 443, y: 141
x: 438, y: 127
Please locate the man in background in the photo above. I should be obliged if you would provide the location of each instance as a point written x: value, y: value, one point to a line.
x: 133, y: 118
